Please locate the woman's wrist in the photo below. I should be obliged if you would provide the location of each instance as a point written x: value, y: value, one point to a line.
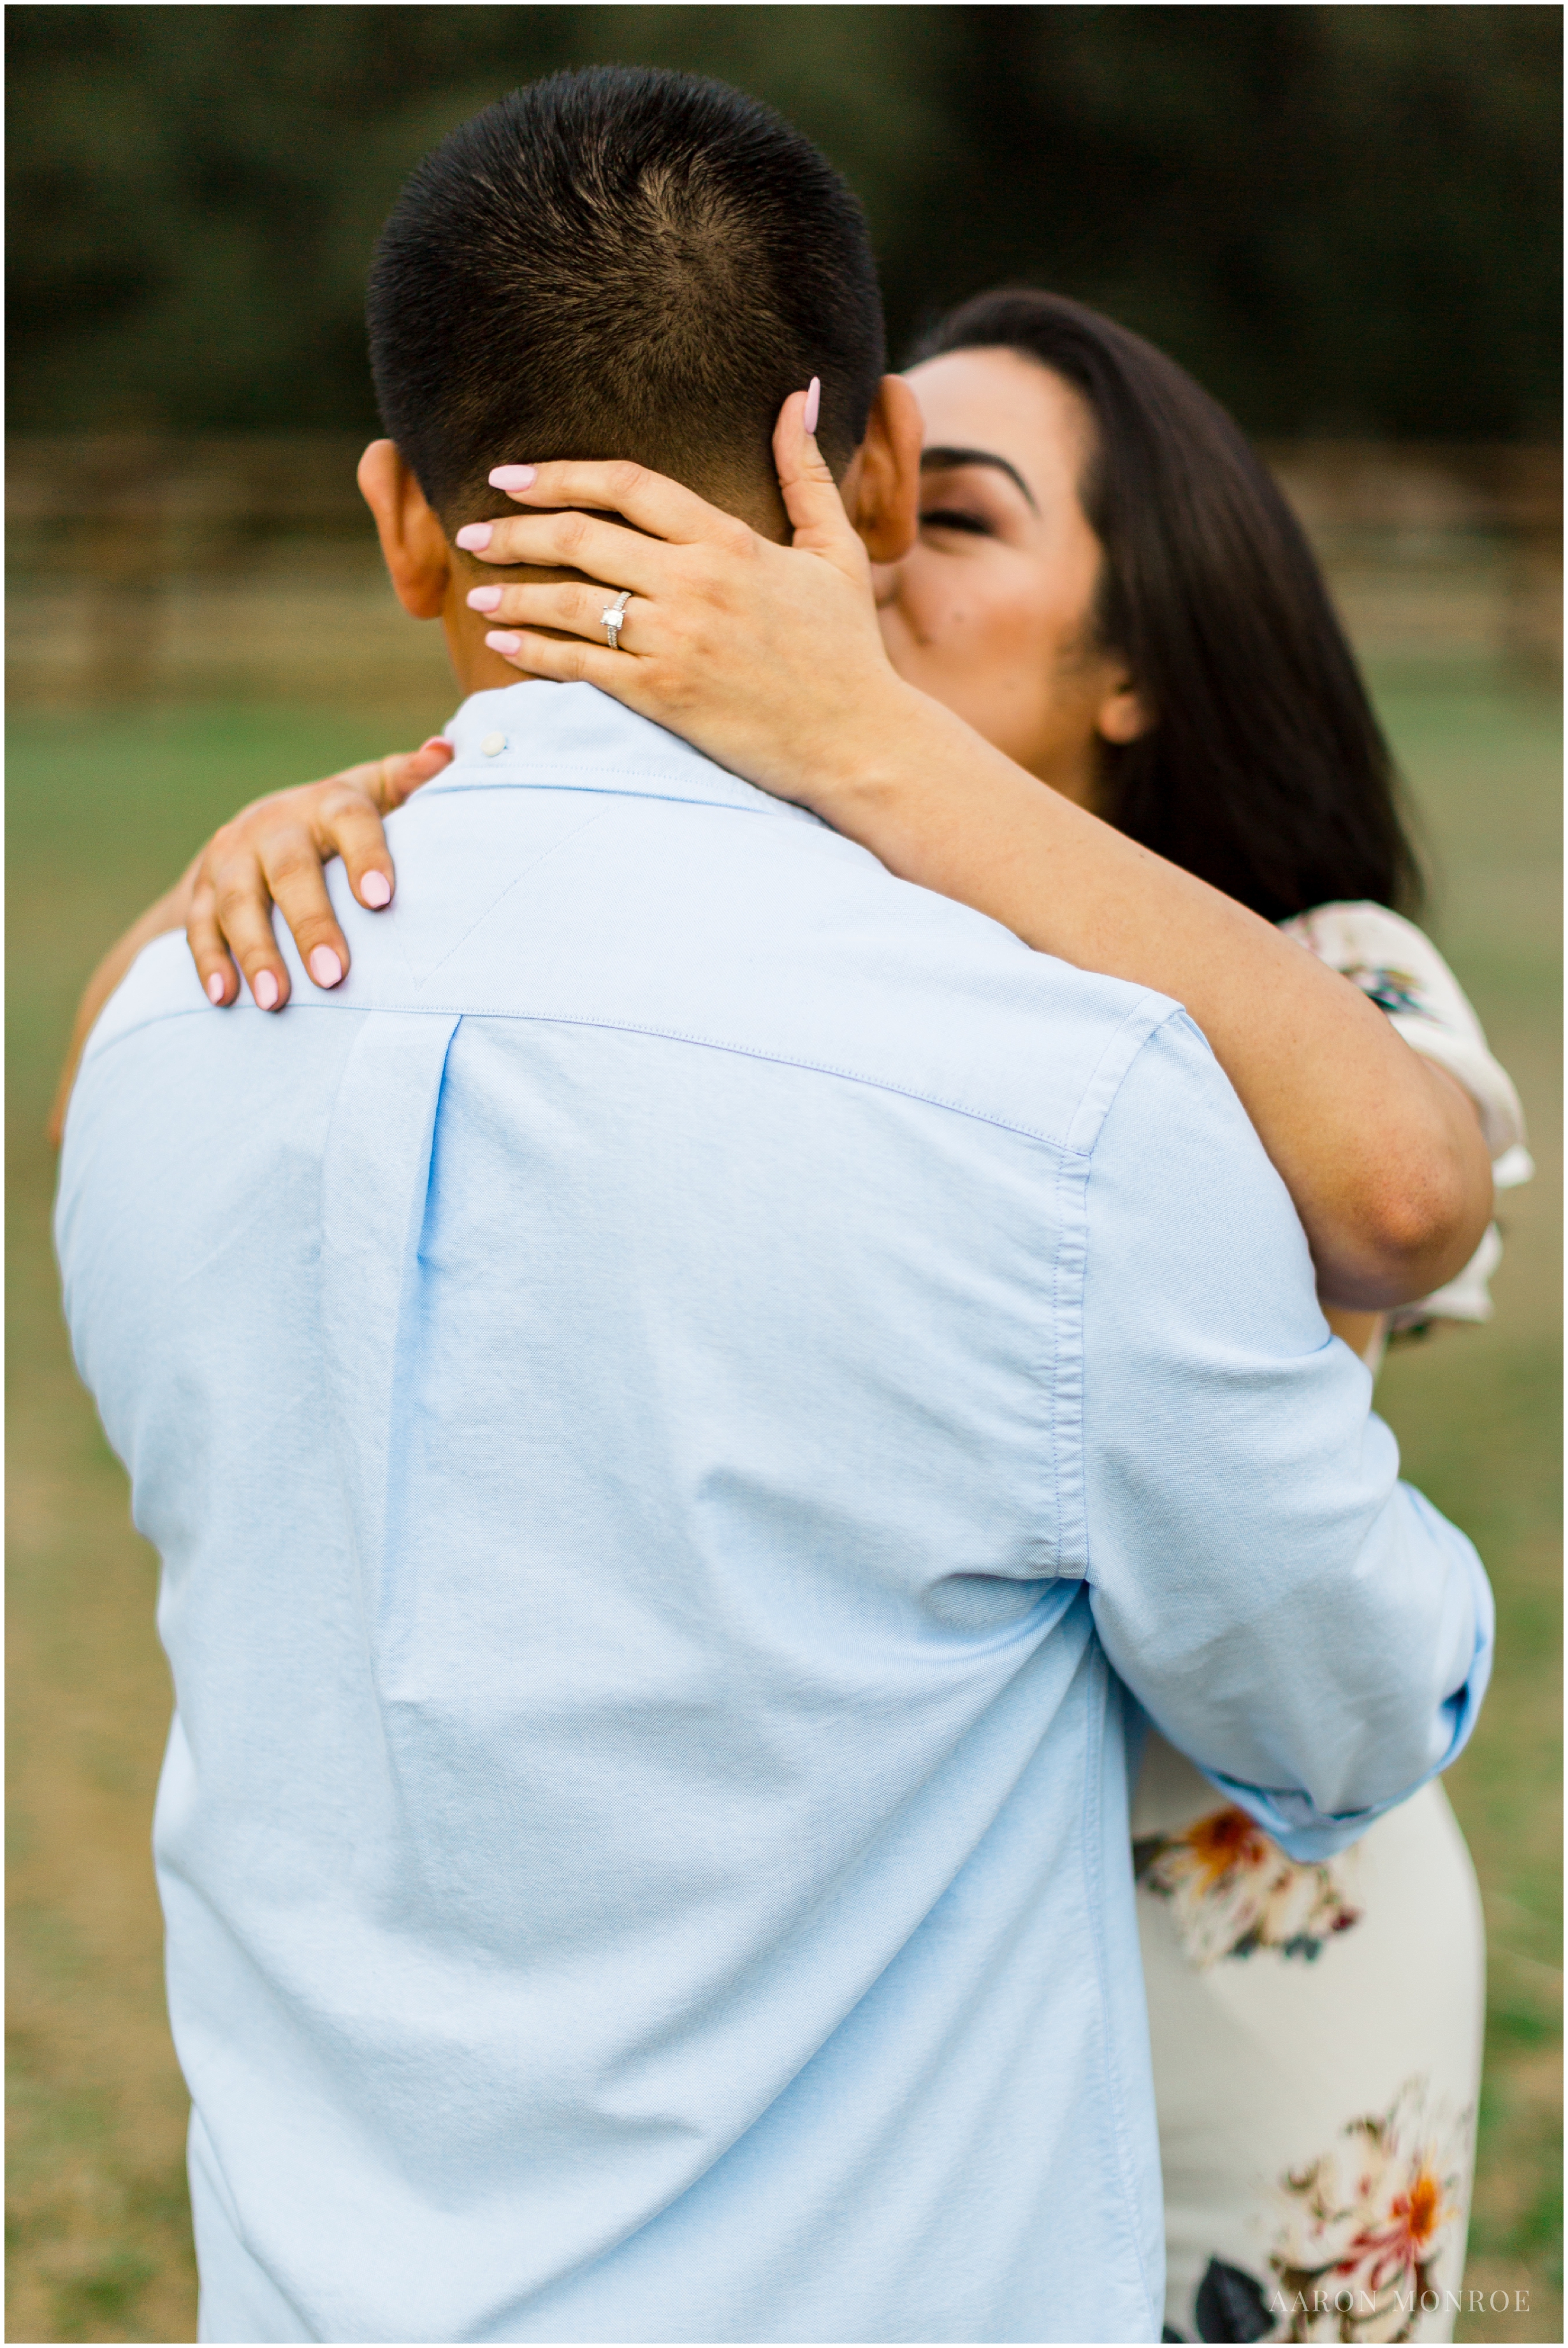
x: 941, y: 807
x: 889, y: 765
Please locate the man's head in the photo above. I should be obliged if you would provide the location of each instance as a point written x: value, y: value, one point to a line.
x: 622, y: 262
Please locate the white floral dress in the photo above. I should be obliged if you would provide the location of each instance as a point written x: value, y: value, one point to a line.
x: 1316, y: 2029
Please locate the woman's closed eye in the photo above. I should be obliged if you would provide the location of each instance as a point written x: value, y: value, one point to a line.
x: 957, y: 518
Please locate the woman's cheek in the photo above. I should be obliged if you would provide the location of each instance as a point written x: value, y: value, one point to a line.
x: 925, y: 634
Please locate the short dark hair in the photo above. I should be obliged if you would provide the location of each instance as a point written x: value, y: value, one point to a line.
x: 1266, y: 771
x: 620, y: 263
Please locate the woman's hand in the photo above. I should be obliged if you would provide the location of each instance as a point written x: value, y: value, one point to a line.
x: 272, y: 853
x: 769, y: 658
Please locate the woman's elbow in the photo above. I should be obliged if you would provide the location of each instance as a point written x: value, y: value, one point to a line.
x: 1413, y: 1226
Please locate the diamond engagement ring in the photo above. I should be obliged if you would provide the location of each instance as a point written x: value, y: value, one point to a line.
x: 613, y: 615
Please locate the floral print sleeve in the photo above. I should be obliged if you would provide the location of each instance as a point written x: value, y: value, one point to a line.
x: 1401, y: 970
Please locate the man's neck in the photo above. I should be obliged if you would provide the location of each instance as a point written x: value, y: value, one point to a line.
x: 479, y: 669
x: 476, y: 666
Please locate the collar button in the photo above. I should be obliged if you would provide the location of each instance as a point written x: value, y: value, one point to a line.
x: 492, y: 744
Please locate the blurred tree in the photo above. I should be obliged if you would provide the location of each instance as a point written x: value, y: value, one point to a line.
x: 1344, y: 218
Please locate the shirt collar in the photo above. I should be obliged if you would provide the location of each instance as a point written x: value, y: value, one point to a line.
x: 546, y: 736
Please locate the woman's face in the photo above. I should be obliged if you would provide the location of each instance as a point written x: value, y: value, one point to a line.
x: 991, y: 612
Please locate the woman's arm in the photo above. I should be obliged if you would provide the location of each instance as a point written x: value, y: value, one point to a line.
x: 1362, y: 1331
x: 1381, y: 1151
x: 769, y: 659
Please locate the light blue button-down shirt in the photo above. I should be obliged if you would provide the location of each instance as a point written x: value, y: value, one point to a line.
x: 673, y: 1406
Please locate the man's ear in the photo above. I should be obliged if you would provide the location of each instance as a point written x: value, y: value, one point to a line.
x: 413, y: 542
x: 887, y: 473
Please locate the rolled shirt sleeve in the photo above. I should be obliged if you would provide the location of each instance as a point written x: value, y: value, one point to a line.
x: 1309, y: 1630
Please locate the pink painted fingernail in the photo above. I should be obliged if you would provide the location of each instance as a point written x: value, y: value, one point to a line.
x: 484, y: 598
x: 513, y: 476
x: 264, y: 987
x: 215, y: 989
x: 438, y: 741
x: 475, y: 537
x: 325, y: 966
x: 813, y: 410
x: 501, y: 640
x: 375, y: 890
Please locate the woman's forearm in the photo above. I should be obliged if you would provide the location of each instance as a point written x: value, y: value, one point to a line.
x: 1382, y: 1153
x: 168, y: 913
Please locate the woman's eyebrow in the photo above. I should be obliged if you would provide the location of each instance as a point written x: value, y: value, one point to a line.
x: 943, y: 460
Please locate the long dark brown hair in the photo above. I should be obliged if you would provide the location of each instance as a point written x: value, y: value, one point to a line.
x: 1264, y: 771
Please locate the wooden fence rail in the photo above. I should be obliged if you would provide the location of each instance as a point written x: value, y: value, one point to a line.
x: 158, y: 567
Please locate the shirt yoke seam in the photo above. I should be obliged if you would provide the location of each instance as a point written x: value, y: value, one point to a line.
x: 617, y: 783
x: 668, y: 1035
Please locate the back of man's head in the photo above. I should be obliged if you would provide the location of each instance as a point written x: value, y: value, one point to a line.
x: 620, y: 263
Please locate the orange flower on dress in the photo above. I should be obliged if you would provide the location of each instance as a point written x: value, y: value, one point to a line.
x: 1227, y: 1839
x: 1232, y: 1890
x: 1367, y: 2224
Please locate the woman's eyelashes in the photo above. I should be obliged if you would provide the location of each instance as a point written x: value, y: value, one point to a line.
x: 956, y: 518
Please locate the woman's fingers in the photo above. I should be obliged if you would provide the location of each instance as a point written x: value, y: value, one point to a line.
x: 274, y: 851
x: 653, y: 503
x: 810, y: 492
x: 564, y: 603
x: 569, y: 660
x: 292, y: 872
x: 572, y: 542
x: 396, y: 778
x: 230, y: 909
x: 219, y: 979
x: 348, y: 824
x: 282, y: 864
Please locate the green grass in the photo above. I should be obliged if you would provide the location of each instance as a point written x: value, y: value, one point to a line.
x: 104, y: 808
x: 1479, y: 1418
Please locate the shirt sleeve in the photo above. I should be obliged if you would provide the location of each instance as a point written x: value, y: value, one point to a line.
x: 1307, y: 1629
